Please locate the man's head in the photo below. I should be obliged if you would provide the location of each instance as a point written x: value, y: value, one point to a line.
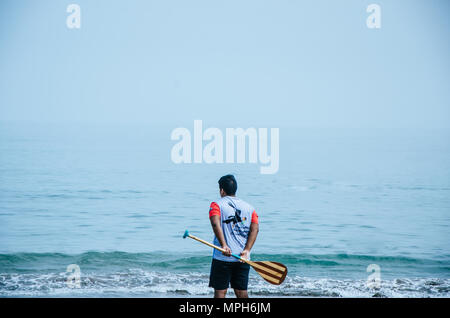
x: 227, y: 185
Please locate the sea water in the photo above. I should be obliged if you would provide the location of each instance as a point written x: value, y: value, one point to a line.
x: 109, y: 199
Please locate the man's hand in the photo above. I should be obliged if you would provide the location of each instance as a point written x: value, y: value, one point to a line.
x: 245, y: 254
x: 217, y: 228
x: 227, y: 250
x: 254, y: 229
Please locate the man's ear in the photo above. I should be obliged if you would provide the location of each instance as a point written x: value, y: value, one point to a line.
x: 222, y: 193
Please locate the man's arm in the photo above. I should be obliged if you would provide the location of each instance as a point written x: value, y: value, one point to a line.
x: 254, y: 229
x: 215, y: 223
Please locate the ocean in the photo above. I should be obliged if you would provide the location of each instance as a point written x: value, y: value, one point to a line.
x: 109, y: 199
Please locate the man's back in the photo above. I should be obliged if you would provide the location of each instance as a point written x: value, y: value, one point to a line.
x: 236, y: 216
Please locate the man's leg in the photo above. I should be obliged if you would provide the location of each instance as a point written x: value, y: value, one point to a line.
x: 239, y: 279
x: 220, y: 276
x: 241, y: 293
x: 220, y: 293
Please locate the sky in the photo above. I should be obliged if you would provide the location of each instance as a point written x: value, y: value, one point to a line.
x: 261, y: 63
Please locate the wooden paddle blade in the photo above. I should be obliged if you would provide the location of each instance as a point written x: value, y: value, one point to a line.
x: 272, y: 272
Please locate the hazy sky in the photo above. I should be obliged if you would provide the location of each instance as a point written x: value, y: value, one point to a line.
x: 308, y: 63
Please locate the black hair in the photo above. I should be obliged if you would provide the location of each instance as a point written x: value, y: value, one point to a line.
x: 228, y: 184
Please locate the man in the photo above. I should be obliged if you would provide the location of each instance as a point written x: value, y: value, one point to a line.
x: 235, y: 225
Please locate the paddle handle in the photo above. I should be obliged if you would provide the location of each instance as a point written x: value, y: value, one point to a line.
x: 216, y: 247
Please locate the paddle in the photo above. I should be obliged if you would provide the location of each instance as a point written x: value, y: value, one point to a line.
x: 272, y: 272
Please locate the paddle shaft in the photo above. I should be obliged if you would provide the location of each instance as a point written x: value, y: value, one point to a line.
x: 218, y: 248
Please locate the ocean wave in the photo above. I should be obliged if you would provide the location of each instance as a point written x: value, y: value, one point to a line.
x: 297, y: 263
x: 141, y: 283
x: 289, y: 258
x: 161, y: 274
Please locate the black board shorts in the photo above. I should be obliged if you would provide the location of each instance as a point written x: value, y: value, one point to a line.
x: 223, y: 273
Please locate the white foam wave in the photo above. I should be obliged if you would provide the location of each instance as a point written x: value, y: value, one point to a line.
x: 140, y: 283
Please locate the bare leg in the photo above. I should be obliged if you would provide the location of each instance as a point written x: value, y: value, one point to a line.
x: 241, y: 293
x: 220, y: 293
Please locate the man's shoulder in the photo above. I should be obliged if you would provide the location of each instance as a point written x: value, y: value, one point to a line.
x: 225, y: 201
x: 244, y: 204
